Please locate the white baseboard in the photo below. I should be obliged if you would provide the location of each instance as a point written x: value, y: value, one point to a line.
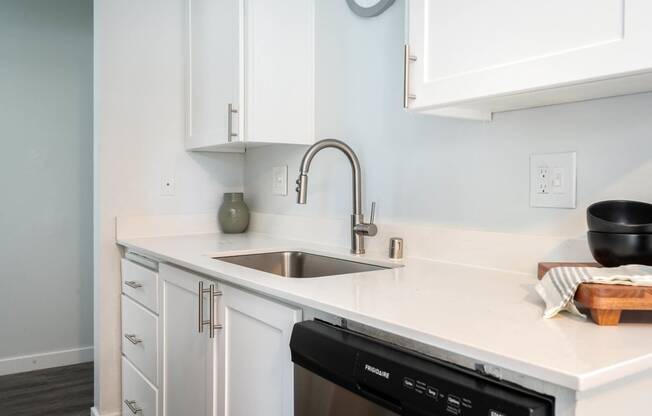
x: 95, y: 412
x: 13, y: 365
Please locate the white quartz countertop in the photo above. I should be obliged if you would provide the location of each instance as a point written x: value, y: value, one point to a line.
x: 488, y: 315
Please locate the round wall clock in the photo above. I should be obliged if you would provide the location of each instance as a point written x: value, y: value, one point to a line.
x: 369, y: 8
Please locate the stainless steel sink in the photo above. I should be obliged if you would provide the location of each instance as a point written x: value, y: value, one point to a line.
x: 298, y: 264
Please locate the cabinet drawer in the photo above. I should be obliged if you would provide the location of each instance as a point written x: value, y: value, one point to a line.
x: 139, y: 396
x: 140, y: 338
x: 141, y: 284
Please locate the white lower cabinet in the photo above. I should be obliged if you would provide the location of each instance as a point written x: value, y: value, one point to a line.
x: 139, y: 338
x: 141, y: 284
x: 187, y: 359
x: 254, y: 351
x: 140, y: 343
x: 139, y: 396
x: 244, y: 370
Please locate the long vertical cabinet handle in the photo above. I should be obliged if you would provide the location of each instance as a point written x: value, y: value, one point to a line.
x: 231, y: 134
x: 407, y: 58
x: 201, y: 293
x: 213, y: 326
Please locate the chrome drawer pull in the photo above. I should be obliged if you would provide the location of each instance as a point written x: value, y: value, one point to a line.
x: 132, y: 284
x: 133, y: 339
x: 131, y: 404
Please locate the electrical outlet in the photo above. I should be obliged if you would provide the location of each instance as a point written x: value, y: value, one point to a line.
x: 542, y: 180
x: 543, y: 172
x: 167, y: 185
x: 280, y: 180
x: 542, y: 187
x: 553, y: 180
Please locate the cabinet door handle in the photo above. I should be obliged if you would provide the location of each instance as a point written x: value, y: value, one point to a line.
x: 133, y: 339
x: 202, y: 322
x: 132, y: 284
x: 231, y: 112
x: 213, y: 326
x: 407, y: 58
x: 131, y: 404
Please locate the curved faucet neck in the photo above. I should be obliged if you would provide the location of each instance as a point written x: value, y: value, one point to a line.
x: 353, y: 159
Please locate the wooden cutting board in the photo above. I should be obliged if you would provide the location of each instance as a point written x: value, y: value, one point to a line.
x: 606, y: 302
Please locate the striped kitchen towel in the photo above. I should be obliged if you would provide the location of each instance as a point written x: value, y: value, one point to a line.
x: 559, y: 284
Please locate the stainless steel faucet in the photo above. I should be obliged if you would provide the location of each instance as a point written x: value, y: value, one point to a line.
x: 359, y: 229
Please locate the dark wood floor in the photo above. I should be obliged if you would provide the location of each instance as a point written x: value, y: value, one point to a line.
x: 62, y: 391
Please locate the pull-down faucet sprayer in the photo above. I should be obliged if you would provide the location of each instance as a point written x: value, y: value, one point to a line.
x: 359, y: 228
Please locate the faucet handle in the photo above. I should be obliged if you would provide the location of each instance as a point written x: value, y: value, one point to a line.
x: 369, y: 229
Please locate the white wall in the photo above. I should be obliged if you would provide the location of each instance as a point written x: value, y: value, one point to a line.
x: 139, y: 131
x: 45, y: 177
x: 423, y: 169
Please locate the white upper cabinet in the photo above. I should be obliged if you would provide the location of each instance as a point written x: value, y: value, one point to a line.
x: 213, y: 72
x: 250, y: 73
x: 469, y: 59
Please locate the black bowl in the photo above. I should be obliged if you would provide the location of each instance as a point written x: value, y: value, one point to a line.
x: 613, y: 249
x: 624, y: 217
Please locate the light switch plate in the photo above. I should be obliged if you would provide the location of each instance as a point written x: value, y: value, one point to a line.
x: 280, y: 180
x: 553, y: 180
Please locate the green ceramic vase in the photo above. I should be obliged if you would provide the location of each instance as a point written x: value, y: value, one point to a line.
x: 233, y: 215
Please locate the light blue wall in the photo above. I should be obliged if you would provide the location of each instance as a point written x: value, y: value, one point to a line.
x: 423, y: 169
x: 45, y: 176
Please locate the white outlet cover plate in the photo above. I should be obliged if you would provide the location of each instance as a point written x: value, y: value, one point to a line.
x: 167, y: 185
x: 280, y: 180
x: 560, y: 183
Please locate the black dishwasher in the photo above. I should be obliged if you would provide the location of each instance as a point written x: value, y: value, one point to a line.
x: 339, y: 372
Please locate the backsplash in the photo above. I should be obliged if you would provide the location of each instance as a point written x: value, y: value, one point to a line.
x: 500, y: 251
x: 494, y: 250
x: 449, y: 173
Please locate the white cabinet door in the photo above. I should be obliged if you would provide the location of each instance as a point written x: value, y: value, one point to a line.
x: 256, y: 370
x: 187, y: 361
x: 280, y: 71
x: 213, y: 72
x: 467, y: 50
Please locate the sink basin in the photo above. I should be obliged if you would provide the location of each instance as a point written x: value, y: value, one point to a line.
x: 297, y: 264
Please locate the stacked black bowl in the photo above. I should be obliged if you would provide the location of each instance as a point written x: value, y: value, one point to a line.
x: 620, y: 232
